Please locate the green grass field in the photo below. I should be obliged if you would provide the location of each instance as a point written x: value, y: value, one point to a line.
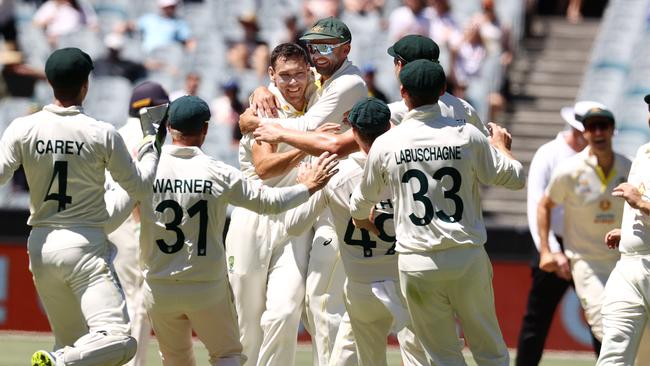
x: 17, y: 348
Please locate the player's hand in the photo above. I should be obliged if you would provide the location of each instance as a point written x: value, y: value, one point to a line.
x: 563, y: 269
x: 248, y: 121
x: 318, y: 174
x: 613, y: 238
x: 366, y: 225
x: 500, y: 137
x: 264, y: 103
x: 329, y: 127
x: 270, y: 133
x: 631, y: 195
x: 547, y: 262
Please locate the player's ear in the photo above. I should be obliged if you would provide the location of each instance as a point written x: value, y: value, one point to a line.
x: 402, y: 91
x: 271, y: 74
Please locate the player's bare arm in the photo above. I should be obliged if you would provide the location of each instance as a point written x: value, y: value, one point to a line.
x: 632, y: 196
x: 613, y: 238
x: 318, y: 174
x: 249, y: 121
x: 270, y: 163
x: 549, y: 261
x: 264, y: 102
x: 311, y: 142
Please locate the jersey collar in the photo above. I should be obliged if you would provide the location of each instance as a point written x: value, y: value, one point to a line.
x: 63, y: 111
x: 423, y: 113
x: 182, y: 151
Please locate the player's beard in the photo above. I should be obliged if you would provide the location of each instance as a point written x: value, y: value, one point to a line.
x: 330, y: 68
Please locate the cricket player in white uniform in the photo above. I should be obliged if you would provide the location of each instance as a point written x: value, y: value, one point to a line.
x: 64, y: 154
x: 340, y: 85
x: 267, y: 268
x: 433, y: 166
x: 126, y: 238
x: 372, y: 297
x: 182, y: 256
x: 584, y: 184
x: 627, y: 293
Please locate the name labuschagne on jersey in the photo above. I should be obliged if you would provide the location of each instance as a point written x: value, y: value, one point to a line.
x: 429, y: 153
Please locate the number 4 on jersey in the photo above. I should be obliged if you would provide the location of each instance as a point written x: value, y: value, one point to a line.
x: 60, y: 171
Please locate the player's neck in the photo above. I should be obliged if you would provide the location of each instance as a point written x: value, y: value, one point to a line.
x: 67, y: 103
x: 605, y: 159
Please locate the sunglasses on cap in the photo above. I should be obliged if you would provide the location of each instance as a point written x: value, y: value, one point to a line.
x: 603, y: 126
x: 324, y: 49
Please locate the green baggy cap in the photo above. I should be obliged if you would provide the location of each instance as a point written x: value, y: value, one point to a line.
x: 415, y: 47
x: 369, y: 114
x: 328, y: 28
x: 598, y: 112
x: 423, y: 76
x: 68, y: 67
x: 188, y: 113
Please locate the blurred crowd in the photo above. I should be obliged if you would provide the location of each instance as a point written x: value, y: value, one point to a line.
x: 220, y: 49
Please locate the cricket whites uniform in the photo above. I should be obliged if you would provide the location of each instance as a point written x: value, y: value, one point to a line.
x: 370, y: 263
x: 267, y: 268
x: 65, y: 154
x: 590, y: 212
x: 182, y: 255
x: 126, y: 242
x: 625, y: 306
x: 433, y: 166
x: 325, y: 276
x: 450, y: 106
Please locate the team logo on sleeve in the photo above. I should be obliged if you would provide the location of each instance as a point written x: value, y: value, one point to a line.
x: 231, y: 264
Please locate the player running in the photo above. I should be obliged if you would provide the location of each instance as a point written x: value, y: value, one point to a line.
x: 433, y: 166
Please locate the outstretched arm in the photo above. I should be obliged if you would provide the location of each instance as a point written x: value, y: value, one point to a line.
x: 313, y: 143
x: 270, y: 163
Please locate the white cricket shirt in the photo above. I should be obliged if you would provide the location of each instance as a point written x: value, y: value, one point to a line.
x: 635, y: 228
x: 590, y: 211
x: 433, y: 166
x: 182, y: 227
x: 65, y: 154
x: 450, y: 106
x: 366, y: 257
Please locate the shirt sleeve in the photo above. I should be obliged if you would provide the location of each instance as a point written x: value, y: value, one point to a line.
x: 10, y: 153
x: 135, y: 178
x: 473, y: 117
x: 183, y: 31
x: 259, y: 198
x: 330, y: 107
x: 495, y: 168
x: 539, y: 174
x: 373, y: 183
x: 557, y: 187
x: 118, y: 204
x: 303, y: 217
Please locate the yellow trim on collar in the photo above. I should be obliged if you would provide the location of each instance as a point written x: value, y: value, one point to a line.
x: 604, y: 180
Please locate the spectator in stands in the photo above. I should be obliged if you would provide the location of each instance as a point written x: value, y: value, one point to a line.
x: 467, y: 58
x: 112, y: 64
x: 251, y: 52
x: 227, y: 108
x: 444, y: 29
x: 8, y: 21
x: 412, y: 18
x: 19, y: 78
x: 313, y: 10
x: 192, y: 83
x: 369, y: 77
x: 573, y: 11
x: 163, y: 28
x: 62, y: 17
x: 363, y: 6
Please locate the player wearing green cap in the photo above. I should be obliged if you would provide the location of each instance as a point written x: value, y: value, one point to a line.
x: 432, y: 166
x: 65, y: 154
x: 181, y: 253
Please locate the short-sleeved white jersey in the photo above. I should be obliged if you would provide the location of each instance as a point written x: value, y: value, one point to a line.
x: 635, y: 228
x: 590, y: 211
x: 65, y: 154
x: 185, y: 212
x: 450, y: 106
x: 366, y: 257
x: 247, y: 141
x: 330, y: 101
x: 433, y: 166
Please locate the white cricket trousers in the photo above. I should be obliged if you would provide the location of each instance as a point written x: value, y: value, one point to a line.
x: 176, y: 308
x: 625, y: 313
x: 75, y: 283
x: 371, y: 323
x: 126, y: 242
x: 461, y: 285
x: 324, y: 303
x: 267, y: 275
x: 590, y: 277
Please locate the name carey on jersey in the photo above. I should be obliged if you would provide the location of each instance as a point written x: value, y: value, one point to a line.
x: 429, y: 153
x: 66, y: 147
x: 164, y: 185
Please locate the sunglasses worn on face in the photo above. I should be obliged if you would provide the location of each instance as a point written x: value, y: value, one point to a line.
x: 324, y: 49
x: 598, y: 126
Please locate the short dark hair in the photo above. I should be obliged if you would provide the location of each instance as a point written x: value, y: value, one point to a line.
x: 68, y: 92
x: 288, y: 51
x: 369, y: 136
x: 419, y: 98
